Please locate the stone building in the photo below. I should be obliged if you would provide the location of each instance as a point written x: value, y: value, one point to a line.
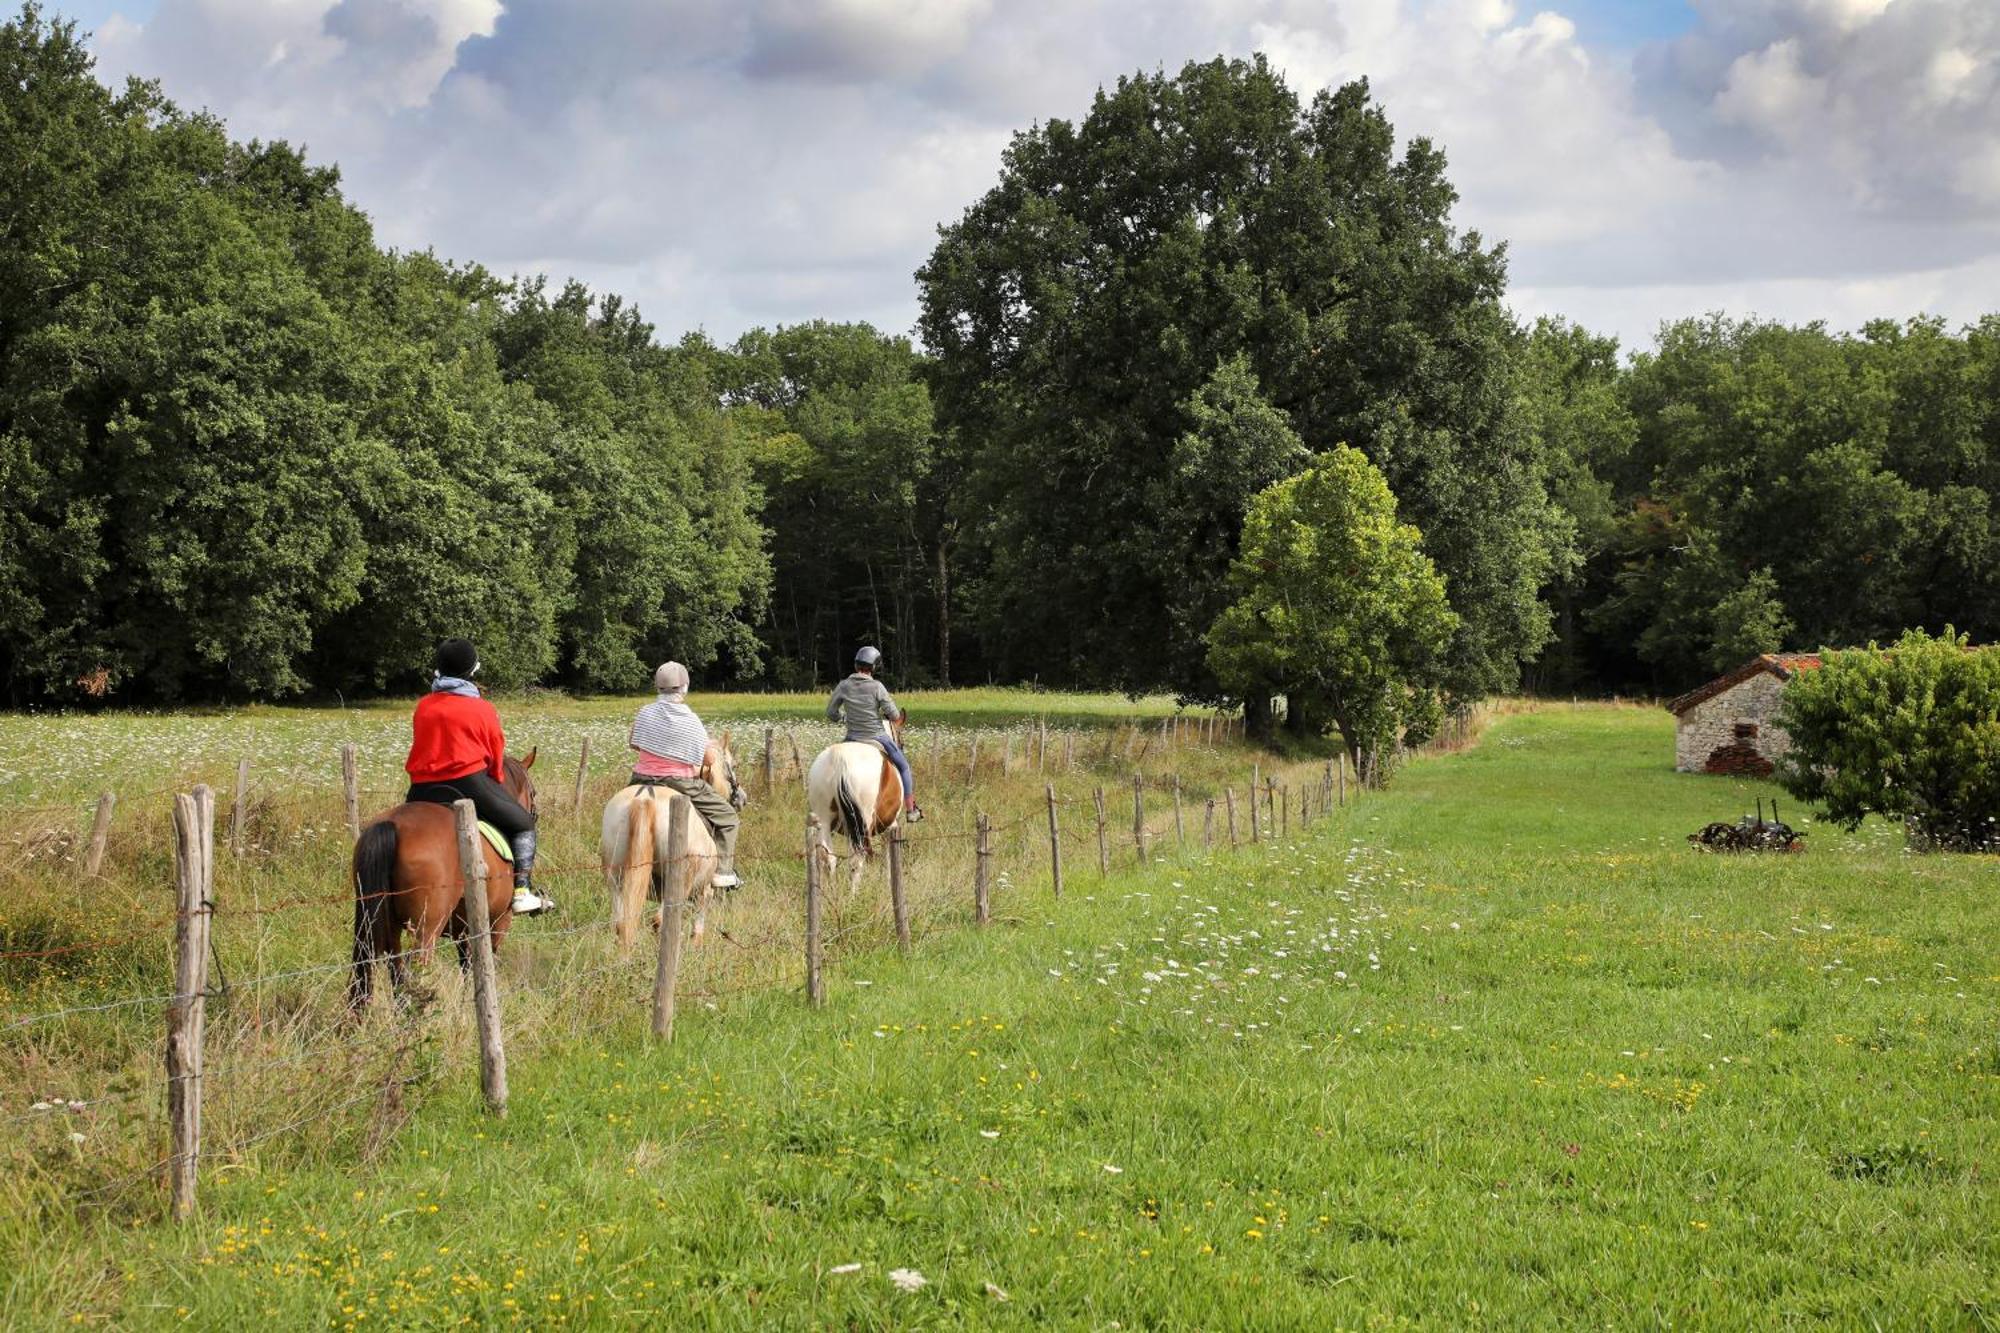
x: 1727, y: 725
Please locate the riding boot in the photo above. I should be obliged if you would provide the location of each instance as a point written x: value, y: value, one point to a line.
x: 725, y: 858
x: 526, y: 901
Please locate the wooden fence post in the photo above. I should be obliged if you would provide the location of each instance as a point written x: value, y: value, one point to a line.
x: 1069, y: 751
x: 479, y: 940
x: 1229, y: 798
x: 350, y: 783
x: 770, y: 760
x: 100, y: 830
x: 1256, y: 779
x: 1139, y: 816
x: 982, y: 881
x: 1285, y: 811
x: 673, y: 897
x: 582, y: 774
x: 1340, y: 771
x: 899, y: 906
x: 236, y: 807
x: 815, y: 991
x: 1042, y: 743
x: 1180, y: 834
x: 1103, y: 852
x: 1055, y: 842
x: 1208, y: 825
x: 194, y: 865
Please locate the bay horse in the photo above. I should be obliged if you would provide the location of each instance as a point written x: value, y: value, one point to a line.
x: 407, y: 878
x: 633, y: 842
x: 853, y: 789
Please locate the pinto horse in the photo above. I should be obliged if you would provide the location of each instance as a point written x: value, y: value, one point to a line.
x: 633, y: 842
x: 854, y: 789
x: 407, y: 878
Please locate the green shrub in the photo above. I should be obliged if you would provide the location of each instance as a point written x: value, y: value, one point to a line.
x: 1912, y: 731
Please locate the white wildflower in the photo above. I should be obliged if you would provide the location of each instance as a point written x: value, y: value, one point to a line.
x: 908, y: 1279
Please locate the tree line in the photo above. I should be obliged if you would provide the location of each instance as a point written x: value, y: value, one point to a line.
x: 246, y: 452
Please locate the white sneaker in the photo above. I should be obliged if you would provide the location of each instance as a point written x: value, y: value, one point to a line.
x: 531, y: 904
x: 725, y: 880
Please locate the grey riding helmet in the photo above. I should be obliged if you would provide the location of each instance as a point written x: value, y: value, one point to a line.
x: 868, y: 657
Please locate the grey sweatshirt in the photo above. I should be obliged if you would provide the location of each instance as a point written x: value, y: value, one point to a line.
x: 863, y: 703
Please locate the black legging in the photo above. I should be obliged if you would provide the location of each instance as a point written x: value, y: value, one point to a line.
x: 488, y: 797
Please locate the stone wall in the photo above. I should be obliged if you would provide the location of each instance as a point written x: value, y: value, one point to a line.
x: 1733, y: 731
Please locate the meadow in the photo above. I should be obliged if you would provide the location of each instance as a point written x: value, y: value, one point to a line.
x: 1493, y: 1047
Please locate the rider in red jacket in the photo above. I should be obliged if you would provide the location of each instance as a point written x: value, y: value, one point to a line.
x: 458, y: 752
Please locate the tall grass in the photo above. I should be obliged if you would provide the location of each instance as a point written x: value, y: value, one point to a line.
x: 290, y: 1080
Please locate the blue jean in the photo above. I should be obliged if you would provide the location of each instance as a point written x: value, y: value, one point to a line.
x: 896, y: 757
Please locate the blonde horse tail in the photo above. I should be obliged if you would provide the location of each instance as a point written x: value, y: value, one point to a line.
x: 639, y: 865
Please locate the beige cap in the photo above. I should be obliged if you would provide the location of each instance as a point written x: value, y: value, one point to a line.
x: 671, y: 678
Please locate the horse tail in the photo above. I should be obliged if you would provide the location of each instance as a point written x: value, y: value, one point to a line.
x: 847, y: 812
x: 374, y: 881
x: 640, y: 871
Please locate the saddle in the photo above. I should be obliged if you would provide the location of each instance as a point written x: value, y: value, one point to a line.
x: 498, y: 841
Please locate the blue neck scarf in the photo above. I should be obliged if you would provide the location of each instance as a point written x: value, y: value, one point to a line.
x: 454, y: 685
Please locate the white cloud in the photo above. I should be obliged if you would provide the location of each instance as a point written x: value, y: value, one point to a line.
x: 768, y: 160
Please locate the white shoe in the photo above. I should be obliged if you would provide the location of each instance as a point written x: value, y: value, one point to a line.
x: 531, y: 904
x: 726, y: 881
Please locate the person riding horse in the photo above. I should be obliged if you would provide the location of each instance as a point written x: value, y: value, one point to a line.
x: 863, y: 703
x: 671, y: 743
x: 458, y: 752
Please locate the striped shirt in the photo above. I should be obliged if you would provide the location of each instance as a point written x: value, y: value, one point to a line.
x: 863, y: 703
x: 670, y: 730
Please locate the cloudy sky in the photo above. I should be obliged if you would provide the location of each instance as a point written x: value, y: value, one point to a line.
x: 736, y: 162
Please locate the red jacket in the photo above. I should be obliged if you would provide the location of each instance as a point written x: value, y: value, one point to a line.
x: 454, y: 736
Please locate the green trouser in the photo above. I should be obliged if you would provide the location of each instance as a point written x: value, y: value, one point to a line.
x: 720, y: 815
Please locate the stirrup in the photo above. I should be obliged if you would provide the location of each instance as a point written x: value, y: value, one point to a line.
x: 529, y: 903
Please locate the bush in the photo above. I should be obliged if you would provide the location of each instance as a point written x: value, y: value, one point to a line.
x: 1913, y: 731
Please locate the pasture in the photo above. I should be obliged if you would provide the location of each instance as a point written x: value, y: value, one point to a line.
x: 1493, y: 1047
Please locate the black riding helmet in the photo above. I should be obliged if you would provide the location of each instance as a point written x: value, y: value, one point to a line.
x: 456, y: 657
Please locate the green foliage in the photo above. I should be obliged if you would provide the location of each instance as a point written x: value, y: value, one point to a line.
x: 837, y: 421
x: 1796, y: 482
x: 1336, y: 605
x: 1913, y: 732
x: 246, y: 453
x: 1134, y: 279
x: 1572, y: 391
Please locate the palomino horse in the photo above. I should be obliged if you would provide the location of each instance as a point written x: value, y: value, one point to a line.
x: 633, y: 842
x: 407, y: 878
x: 854, y: 789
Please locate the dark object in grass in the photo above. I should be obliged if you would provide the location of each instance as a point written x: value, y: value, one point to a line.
x: 1750, y: 835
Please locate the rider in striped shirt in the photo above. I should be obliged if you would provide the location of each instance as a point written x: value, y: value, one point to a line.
x: 671, y: 744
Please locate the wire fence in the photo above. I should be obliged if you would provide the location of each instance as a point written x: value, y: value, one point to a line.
x: 264, y: 1055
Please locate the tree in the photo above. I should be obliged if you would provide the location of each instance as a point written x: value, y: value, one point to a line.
x: 1336, y: 604
x: 245, y: 452
x: 1572, y: 390
x: 839, y: 423
x: 1913, y: 731
x: 1195, y: 240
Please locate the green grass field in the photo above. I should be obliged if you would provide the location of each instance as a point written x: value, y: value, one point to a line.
x: 1494, y: 1047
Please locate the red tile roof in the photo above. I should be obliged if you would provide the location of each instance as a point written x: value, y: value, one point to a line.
x: 1782, y: 665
